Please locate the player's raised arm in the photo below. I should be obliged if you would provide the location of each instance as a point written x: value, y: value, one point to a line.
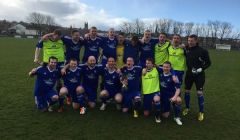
x: 46, y: 36
x: 37, y: 52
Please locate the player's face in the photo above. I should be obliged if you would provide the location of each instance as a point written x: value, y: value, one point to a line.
x: 55, y: 37
x: 111, y: 33
x: 73, y: 64
x: 133, y: 43
x: 130, y: 62
x: 176, y: 40
x: 91, y: 61
x: 149, y: 64
x: 147, y: 35
x: 120, y: 39
x: 111, y: 63
x: 52, y: 63
x: 76, y: 36
x: 93, y: 32
x: 162, y: 38
x: 166, y: 68
x: 192, y: 42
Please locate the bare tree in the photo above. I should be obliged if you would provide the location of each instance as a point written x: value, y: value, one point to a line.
x: 37, y: 19
x: 188, y: 28
x: 41, y: 21
x: 127, y: 27
x: 177, y: 27
x: 165, y: 25
x: 50, y: 22
x: 214, y: 29
x: 138, y: 26
x: 225, y: 29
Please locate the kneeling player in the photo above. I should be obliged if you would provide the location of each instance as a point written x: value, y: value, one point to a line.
x: 170, y: 93
x: 131, y: 81
x: 72, y: 81
x: 91, y: 73
x: 112, y: 85
x: 45, y: 94
x: 151, y: 89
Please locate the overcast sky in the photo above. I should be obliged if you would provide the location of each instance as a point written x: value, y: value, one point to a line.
x: 111, y: 13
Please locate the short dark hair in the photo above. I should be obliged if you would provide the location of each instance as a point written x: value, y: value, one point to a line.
x: 72, y: 59
x: 177, y: 35
x: 57, y: 32
x: 135, y: 38
x: 168, y: 62
x: 52, y: 57
x: 163, y: 33
x: 74, y: 31
x: 93, y: 27
x: 122, y: 34
x: 193, y: 36
x: 112, y: 58
x: 151, y: 60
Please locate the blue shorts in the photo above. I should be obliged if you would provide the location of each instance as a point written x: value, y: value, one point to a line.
x: 148, y: 100
x: 179, y: 74
x: 42, y: 99
x: 165, y: 100
x: 73, y: 94
x: 112, y: 92
x: 91, y: 93
x: 128, y: 98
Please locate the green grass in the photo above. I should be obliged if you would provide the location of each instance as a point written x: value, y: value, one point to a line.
x: 20, y: 120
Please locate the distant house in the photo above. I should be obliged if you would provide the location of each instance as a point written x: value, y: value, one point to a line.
x: 21, y: 30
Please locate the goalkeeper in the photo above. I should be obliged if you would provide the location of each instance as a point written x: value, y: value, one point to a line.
x: 197, y: 60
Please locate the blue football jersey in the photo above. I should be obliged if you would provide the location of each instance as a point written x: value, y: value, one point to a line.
x: 72, y: 49
x: 46, y: 79
x: 133, y: 75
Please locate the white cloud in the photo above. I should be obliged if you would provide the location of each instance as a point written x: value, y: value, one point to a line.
x: 66, y: 12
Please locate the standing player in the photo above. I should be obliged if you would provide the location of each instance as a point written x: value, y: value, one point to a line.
x: 52, y: 46
x: 132, y: 49
x: 147, y: 48
x: 120, y: 50
x: 170, y: 93
x: 91, y: 73
x: 44, y: 92
x: 177, y: 57
x: 161, y: 49
x: 151, y: 89
x: 72, y: 85
x: 197, y: 61
x: 112, y: 85
x: 92, y: 45
x: 132, y: 81
x: 109, y: 46
x: 73, y: 45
